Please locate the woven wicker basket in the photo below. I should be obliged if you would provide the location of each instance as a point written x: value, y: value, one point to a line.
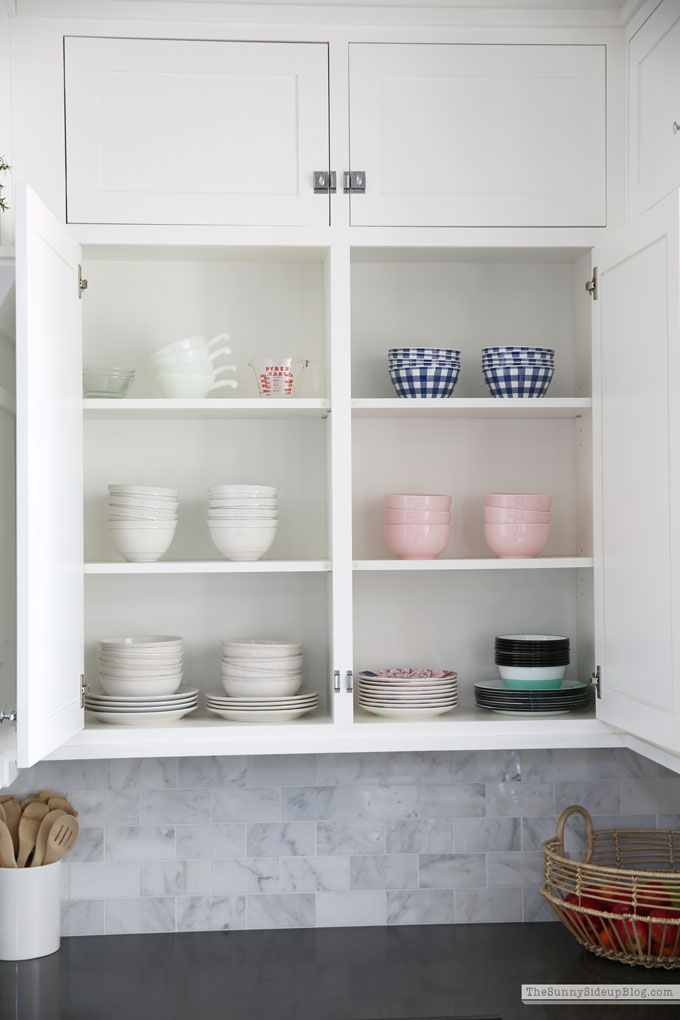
x: 622, y: 900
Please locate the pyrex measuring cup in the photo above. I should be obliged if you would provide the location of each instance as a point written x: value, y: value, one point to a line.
x: 279, y: 377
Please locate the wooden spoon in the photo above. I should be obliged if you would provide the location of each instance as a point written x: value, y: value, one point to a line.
x: 12, y: 809
x: 2, y: 814
x: 45, y: 795
x: 43, y: 833
x: 61, y: 802
x: 29, y: 825
x: 6, y: 849
x: 62, y: 837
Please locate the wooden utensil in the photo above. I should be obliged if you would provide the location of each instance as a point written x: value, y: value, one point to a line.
x: 43, y: 833
x: 12, y: 809
x: 45, y: 795
x: 6, y: 849
x: 62, y: 837
x: 61, y: 802
x: 2, y: 814
x: 29, y: 826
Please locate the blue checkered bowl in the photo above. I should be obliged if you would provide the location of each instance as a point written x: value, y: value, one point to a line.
x: 430, y: 381
x: 527, y: 381
x: 425, y: 363
x: 517, y: 364
x: 417, y: 353
x: 530, y: 351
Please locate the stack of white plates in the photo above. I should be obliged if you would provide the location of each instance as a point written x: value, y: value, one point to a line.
x: 418, y: 693
x: 243, y: 519
x: 142, y: 521
x: 149, y: 711
x: 261, y: 669
x: 266, y: 710
x: 141, y: 666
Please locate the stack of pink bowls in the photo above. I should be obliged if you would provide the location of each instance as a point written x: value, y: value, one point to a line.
x: 517, y: 524
x: 417, y: 525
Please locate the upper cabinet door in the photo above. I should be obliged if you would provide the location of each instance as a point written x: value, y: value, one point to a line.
x: 654, y: 108
x: 181, y: 131
x: 636, y: 443
x: 468, y: 135
x: 49, y: 481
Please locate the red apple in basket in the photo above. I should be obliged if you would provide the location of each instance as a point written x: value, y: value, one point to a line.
x: 633, y: 935
x: 664, y: 933
x: 581, y: 924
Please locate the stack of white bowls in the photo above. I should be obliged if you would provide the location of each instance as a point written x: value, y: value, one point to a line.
x: 142, y: 665
x: 261, y: 669
x: 142, y: 520
x: 243, y: 519
x: 186, y: 368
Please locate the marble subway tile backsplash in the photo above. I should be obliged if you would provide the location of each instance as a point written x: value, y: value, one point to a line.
x: 211, y: 844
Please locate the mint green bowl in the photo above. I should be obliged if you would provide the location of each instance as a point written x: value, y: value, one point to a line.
x: 532, y: 685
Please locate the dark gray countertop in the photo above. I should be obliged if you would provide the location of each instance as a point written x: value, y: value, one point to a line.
x: 442, y: 971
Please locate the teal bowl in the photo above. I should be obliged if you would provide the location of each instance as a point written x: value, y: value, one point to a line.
x: 533, y: 685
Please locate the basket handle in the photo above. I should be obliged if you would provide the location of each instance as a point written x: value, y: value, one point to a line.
x: 562, y: 821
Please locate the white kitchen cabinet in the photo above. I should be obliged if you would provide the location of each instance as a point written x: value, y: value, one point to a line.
x: 162, y: 131
x: 654, y: 108
x: 474, y: 135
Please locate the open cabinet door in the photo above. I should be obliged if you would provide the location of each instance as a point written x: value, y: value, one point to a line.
x: 636, y: 390
x: 8, y: 588
x: 49, y: 481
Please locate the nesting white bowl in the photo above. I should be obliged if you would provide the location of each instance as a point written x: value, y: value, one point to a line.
x: 280, y: 687
x: 139, y: 687
x: 260, y: 648
x: 243, y: 542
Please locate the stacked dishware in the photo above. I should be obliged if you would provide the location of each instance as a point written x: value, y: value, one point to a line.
x: 518, y: 371
x: 150, y: 711
x: 532, y: 661
x: 106, y: 382
x: 261, y: 669
x: 517, y: 524
x: 424, y: 371
x: 186, y: 368
x: 142, y: 520
x: 243, y: 519
x: 417, y: 525
x: 414, y: 693
x: 495, y: 696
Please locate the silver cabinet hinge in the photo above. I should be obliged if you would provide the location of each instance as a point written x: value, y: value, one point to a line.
x: 349, y: 681
x: 10, y: 716
x: 596, y: 681
x: 354, y: 182
x: 325, y: 181
x: 82, y: 282
x: 84, y: 689
x: 336, y: 681
x: 591, y: 285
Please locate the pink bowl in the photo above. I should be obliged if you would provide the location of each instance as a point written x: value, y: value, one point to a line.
x: 516, y: 541
x: 417, y: 541
x: 417, y: 501
x: 417, y: 516
x: 498, y: 515
x: 518, y: 500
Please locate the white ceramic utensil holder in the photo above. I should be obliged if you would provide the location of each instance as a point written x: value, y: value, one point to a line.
x: 30, y: 911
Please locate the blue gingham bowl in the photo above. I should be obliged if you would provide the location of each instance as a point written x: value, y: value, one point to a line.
x: 425, y: 363
x: 427, y: 381
x: 439, y: 353
x: 518, y: 352
x: 525, y: 381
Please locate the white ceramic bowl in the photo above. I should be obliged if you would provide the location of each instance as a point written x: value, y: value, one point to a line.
x: 269, y: 664
x: 262, y: 688
x: 162, y: 665
x: 260, y: 648
x: 137, y: 688
x: 243, y: 513
x: 243, y: 543
x: 108, y: 669
x: 142, y: 545
x: 243, y: 503
x: 127, y: 524
x: 531, y: 672
x: 129, y: 514
x: 270, y: 491
x: 143, y: 490
x: 142, y: 642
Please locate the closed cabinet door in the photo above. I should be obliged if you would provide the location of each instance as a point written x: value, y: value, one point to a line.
x: 195, y: 132
x: 654, y: 108
x: 472, y: 135
x: 636, y: 379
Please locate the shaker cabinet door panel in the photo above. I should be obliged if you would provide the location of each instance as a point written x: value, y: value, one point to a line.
x: 49, y: 482
x: 637, y: 418
x: 472, y: 135
x: 203, y: 132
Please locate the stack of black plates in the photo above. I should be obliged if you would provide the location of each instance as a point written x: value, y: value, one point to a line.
x: 494, y: 695
x: 532, y: 661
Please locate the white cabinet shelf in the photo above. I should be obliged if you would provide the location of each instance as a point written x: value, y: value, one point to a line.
x: 535, y: 563
x: 158, y: 409
x: 211, y: 567
x: 471, y: 407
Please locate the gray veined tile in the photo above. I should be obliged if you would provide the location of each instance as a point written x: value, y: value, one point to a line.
x: 164, y: 807
x: 211, y: 913
x: 174, y: 878
x: 83, y: 917
x: 290, y: 910
x: 314, y: 874
x: 118, y: 880
x: 517, y: 799
x: 69, y: 776
x: 209, y: 842
x: 107, y: 807
x: 25, y: 783
x: 620, y: 763
x: 212, y: 771
x: 389, y: 871
x: 347, y: 769
x: 539, y: 765
x: 420, y: 767
x: 575, y: 833
x: 140, y: 843
x: 245, y: 875
x: 487, y: 766
x: 420, y: 836
x: 314, y: 803
x: 452, y: 801
x: 647, y: 796
x: 355, y: 837
x: 515, y: 869
x: 536, y: 829
x: 449, y: 871
x: 246, y: 804
x: 488, y: 905
x: 599, y: 798
x: 143, y: 773
x: 140, y: 916
x: 281, y: 770
x: 345, y: 909
x: 384, y: 801
x: 420, y: 906
x: 281, y: 839
x: 89, y: 847
x: 536, y: 908
x: 485, y: 834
